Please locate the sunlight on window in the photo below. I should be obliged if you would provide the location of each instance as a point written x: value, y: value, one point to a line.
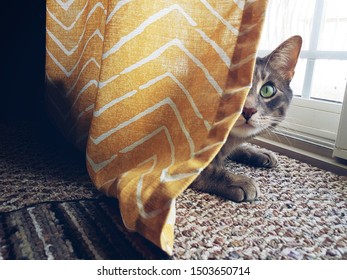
x: 287, y: 18
x: 321, y: 72
x: 334, y: 27
x: 329, y: 79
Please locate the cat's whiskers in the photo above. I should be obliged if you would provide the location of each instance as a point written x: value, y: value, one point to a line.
x: 291, y: 120
x: 269, y: 130
x: 270, y: 133
x: 267, y: 124
x: 263, y: 122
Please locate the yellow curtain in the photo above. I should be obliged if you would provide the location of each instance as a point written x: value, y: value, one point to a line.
x: 149, y: 90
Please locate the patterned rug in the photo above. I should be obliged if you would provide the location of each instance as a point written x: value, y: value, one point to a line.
x: 49, y: 209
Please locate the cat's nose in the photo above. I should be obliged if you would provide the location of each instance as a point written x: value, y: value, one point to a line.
x: 247, y: 113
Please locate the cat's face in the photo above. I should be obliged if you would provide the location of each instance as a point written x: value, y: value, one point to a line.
x: 270, y: 95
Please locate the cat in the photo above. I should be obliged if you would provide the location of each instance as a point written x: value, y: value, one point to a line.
x: 265, y: 106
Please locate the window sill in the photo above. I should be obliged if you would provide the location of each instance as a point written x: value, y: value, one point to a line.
x: 311, y: 153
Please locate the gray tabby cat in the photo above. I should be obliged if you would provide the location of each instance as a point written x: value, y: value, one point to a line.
x: 266, y: 105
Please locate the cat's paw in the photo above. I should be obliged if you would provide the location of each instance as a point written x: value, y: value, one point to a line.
x: 267, y: 159
x: 254, y: 156
x: 242, y: 189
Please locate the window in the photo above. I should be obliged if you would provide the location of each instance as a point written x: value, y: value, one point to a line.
x: 321, y: 73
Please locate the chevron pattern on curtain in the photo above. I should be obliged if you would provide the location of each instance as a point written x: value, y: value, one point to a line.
x: 149, y: 90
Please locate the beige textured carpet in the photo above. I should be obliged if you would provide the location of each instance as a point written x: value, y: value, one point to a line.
x: 50, y: 210
x: 302, y: 214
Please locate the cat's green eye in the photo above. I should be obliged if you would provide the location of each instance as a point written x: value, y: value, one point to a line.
x: 267, y: 90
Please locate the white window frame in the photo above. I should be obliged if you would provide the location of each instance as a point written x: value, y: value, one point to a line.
x: 318, y: 119
x: 340, y: 149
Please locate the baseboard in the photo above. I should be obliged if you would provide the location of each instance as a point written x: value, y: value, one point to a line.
x: 310, y: 153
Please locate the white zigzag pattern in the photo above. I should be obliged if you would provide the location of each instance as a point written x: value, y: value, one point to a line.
x: 165, y: 176
x: 80, y: 73
x: 158, y: 16
x: 217, y: 15
x: 62, y: 68
x: 142, y: 211
x: 166, y: 101
x: 170, y: 204
x: 149, y: 136
x: 162, y: 13
x: 156, y: 212
x: 222, y: 54
x: 119, y: 5
x: 185, y: 91
x: 97, y: 113
x: 203, y: 150
x: 90, y: 83
x: 67, y: 28
x: 154, y: 55
x: 70, y: 52
x: 65, y: 5
x: 98, y: 166
x: 73, y: 49
x: 218, y: 49
x: 175, y: 42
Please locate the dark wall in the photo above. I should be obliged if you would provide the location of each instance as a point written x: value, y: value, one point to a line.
x: 22, y: 59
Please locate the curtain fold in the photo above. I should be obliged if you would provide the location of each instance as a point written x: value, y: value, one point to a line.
x: 149, y: 90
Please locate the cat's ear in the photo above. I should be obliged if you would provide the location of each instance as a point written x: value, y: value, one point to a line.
x: 284, y: 58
